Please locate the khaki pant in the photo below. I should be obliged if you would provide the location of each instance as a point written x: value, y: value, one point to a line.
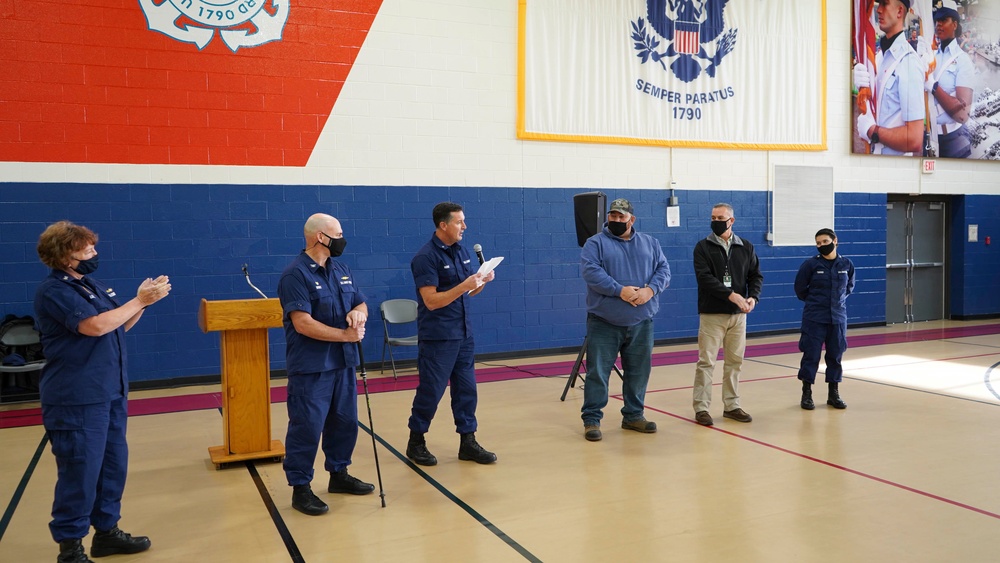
x: 719, y: 331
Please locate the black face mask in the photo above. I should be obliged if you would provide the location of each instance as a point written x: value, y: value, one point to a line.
x: 719, y: 227
x: 87, y: 266
x: 617, y: 228
x: 336, y: 245
x: 826, y: 249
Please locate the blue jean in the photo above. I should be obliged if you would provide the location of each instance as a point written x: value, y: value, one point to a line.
x: 814, y: 335
x: 91, y: 462
x: 605, y: 342
x: 438, y: 363
x: 320, y: 403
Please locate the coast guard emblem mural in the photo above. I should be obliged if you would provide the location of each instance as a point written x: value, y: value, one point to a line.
x: 240, y: 23
x: 688, y: 36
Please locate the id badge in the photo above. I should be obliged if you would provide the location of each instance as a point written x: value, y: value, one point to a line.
x: 727, y: 280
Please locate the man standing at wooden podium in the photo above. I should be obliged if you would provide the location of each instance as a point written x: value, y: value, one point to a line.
x: 324, y: 316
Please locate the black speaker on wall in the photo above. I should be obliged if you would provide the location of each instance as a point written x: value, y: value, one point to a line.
x: 590, y: 209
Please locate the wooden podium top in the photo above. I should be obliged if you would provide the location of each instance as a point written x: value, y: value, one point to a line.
x: 238, y: 314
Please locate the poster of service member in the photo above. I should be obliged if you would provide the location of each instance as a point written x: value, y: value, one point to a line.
x: 926, y: 78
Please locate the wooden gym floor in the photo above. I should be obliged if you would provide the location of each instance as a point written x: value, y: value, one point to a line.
x: 906, y: 472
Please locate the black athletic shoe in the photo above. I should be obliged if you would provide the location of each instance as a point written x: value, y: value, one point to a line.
x: 306, y: 502
x: 341, y: 482
x: 115, y: 541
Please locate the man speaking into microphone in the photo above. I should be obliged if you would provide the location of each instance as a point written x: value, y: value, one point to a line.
x: 446, y: 281
x: 625, y: 272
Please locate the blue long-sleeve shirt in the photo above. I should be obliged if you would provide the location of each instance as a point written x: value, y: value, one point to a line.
x: 609, y: 263
x: 824, y: 286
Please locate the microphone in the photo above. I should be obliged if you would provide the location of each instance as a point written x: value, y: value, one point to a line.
x: 246, y: 273
x: 479, y: 253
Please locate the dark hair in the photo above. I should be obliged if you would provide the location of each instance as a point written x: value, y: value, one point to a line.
x: 828, y: 232
x: 443, y: 211
x: 61, y: 239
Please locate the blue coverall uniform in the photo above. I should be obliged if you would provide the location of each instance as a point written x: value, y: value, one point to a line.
x: 322, y: 386
x: 824, y: 286
x: 447, y: 349
x: 84, y: 392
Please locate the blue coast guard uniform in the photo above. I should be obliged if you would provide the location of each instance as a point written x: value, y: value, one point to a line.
x: 824, y: 286
x: 322, y: 386
x: 84, y: 391
x: 447, y: 348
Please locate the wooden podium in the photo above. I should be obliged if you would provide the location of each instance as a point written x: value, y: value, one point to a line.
x: 246, y: 374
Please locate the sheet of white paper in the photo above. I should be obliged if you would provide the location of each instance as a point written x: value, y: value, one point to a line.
x: 674, y: 216
x: 490, y: 264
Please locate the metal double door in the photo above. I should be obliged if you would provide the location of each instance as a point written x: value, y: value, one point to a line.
x: 915, y: 261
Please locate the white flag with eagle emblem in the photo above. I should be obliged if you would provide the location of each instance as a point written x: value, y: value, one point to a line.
x: 689, y: 73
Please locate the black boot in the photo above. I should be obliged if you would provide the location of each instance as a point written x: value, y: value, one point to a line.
x: 834, y: 399
x: 341, y: 482
x: 71, y: 551
x: 416, y: 449
x: 115, y: 541
x: 306, y: 502
x: 807, y: 396
x: 470, y: 450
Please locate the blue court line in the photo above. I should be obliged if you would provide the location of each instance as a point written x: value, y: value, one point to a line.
x: 272, y: 510
x: 279, y: 522
x: 19, y: 490
x: 986, y: 377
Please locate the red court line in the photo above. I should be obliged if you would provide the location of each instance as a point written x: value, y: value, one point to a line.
x: 837, y: 466
x: 176, y: 403
x: 19, y: 418
x: 689, y: 387
x: 182, y: 403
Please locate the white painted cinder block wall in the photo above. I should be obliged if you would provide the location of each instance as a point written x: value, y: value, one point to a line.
x: 431, y: 101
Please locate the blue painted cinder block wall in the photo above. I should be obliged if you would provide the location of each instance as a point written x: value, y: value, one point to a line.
x: 201, y: 235
x: 975, y: 265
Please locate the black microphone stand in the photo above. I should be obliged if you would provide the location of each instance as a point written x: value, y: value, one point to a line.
x: 576, y: 369
x: 246, y: 273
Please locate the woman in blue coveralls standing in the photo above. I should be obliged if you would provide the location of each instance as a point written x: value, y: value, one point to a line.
x: 84, y: 390
x: 823, y: 283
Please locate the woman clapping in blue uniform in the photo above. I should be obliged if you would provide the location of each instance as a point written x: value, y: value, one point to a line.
x: 84, y: 390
